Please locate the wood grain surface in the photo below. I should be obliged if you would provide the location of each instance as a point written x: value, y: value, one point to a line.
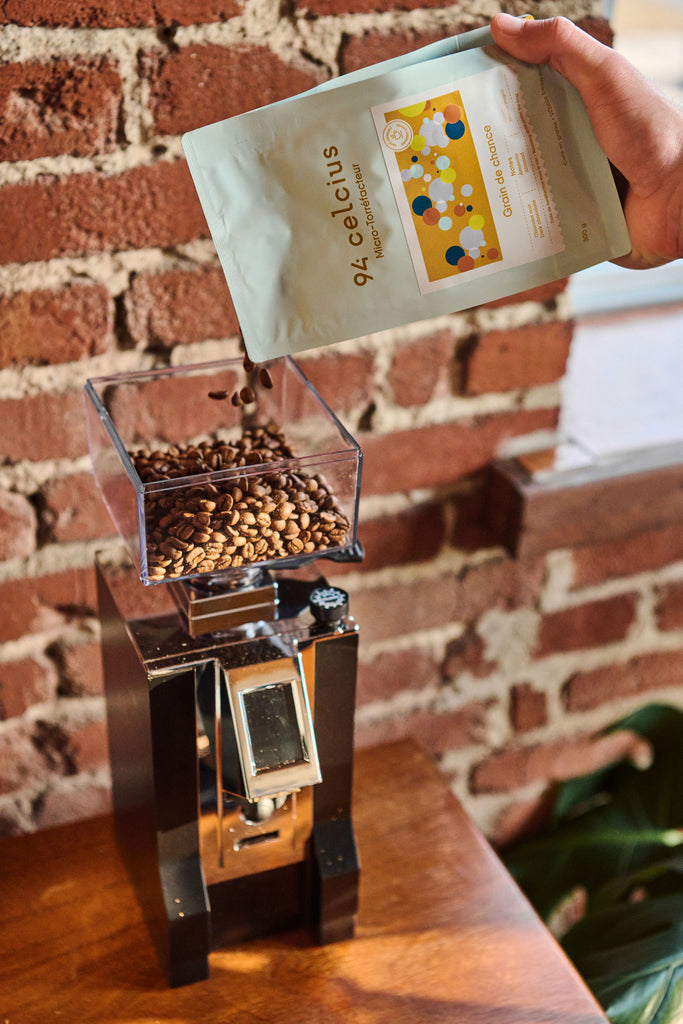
x: 443, y: 933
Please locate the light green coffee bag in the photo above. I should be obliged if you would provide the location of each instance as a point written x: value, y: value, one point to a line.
x: 431, y: 183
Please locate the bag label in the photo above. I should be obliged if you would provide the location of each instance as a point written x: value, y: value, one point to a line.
x: 468, y: 178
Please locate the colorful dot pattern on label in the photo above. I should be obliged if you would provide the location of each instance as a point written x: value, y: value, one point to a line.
x: 444, y: 187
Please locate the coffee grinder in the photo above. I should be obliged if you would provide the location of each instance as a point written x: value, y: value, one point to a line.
x: 229, y: 662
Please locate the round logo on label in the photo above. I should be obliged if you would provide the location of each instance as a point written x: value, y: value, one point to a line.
x: 397, y: 135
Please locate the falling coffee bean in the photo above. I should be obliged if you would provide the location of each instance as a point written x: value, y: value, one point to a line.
x: 247, y: 364
x: 247, y: 396
x: 265, y: 378
x: 218, y: 395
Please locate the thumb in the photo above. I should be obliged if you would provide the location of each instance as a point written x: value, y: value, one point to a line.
x: 632, y: 122
x: 559, y: 43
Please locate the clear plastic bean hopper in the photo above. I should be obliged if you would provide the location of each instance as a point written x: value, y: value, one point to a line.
x: 229, y: 662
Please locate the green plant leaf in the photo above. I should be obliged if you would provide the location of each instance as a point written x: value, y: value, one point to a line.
x: 631, y: 956
x: 617, y: 835
x: 655, y: 879
x: 612, y: 823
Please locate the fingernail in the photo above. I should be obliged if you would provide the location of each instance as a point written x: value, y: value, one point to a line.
x: 509, y: 24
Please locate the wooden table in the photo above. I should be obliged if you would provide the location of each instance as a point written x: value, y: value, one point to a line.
x: 443, y: 932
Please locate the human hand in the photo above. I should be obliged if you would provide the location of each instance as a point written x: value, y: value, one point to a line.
x: 639, y: 130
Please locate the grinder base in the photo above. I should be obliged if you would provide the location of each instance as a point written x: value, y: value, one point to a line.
x: 151, y: 669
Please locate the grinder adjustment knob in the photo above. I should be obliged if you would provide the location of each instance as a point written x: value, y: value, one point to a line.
x: 328, y: 605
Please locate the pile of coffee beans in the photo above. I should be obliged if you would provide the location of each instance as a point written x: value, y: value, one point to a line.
x: 253, y: 517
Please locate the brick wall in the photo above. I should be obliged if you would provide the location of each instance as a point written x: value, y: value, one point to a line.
x: 503, y: 668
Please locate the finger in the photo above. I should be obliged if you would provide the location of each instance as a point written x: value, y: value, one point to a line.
x: 554, y: 40
x: 632, y: 122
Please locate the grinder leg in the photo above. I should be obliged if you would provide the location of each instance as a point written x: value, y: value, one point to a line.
x: 335, y: 867
x: 153, y: 752
x: 172, y: 705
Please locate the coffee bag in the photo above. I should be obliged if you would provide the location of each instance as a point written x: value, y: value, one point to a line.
x: 427, y: 184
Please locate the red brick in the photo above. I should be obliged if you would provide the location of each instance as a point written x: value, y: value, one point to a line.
x: 362, y: 50
x: 24, y: 683
x: 23, y: 612
x: 469, y: 528
x: 657, y: 671
x: 124, y: 13
x: 669, y: 610
x: 587, y: 625
x: 626, y: 556
x: 177, y: 307
x: 528, y: 707
x: 413, y: 535
x: 197, y: 85
x: 43, y: 426
x: 516, y: 358
x: 544, y: 293
x: 386, y: 612
x: 435, y: 733
x: 599, y: 28
x: 466, y: 654
x: 503, y: 583
x: 47, y: 327
x: 345, y: 381
x: 80, y: 669
x: 441, y: 454
x: 88, y: 748
x: 521, y: 819
x: 394, y: 671
x: 172, y: 409
x: 11, y: 822
x: 35, y: 604
x: 516, y: 767
x: 92, y: 212
x: 73, y: 509
x: 422, y: 370
x: 530, y: 516
x: 20, y: 762
x: 389, y: 611
x: 65, y: 106
x: 18, y: 526
x: 72, y: 803
x: 70, y: 748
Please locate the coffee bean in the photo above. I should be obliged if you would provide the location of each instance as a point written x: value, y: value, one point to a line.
x: 218, y: 395
x: 285, y: 510
x: 265, y: 378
